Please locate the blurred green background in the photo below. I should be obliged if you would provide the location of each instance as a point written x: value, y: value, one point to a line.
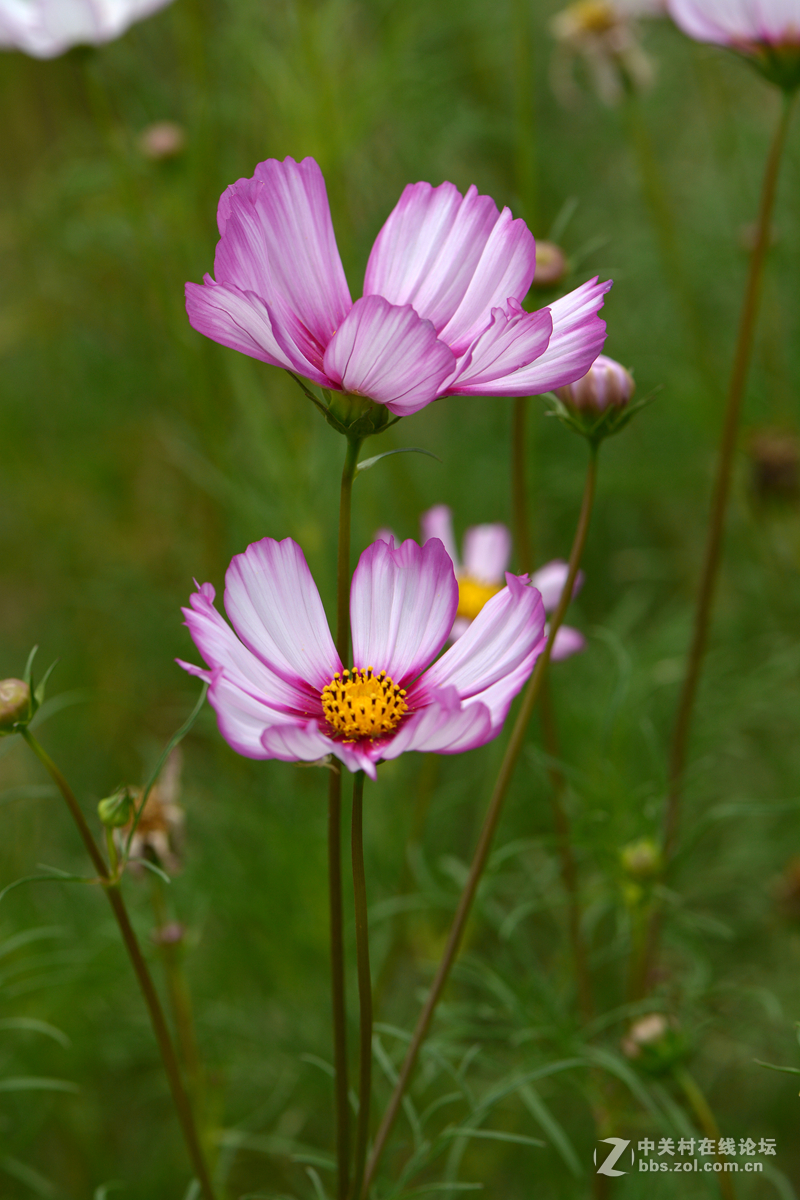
x: 137, y: 455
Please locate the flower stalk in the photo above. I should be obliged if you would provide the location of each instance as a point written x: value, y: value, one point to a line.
x: 111, y: 887
x: 364, y: 984
x: 722, y: 485
x: 519, y: 488
x: 338, y: 997
x: 510, y: 758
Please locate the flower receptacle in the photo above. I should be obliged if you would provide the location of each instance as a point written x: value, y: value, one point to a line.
x: 15, y: 705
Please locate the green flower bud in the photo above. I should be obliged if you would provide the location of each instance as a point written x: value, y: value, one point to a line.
x: 641, y: 860
x: 15, y: 704
x: 356, y: 416
x: 655, y: 1043
x: 117, y: 810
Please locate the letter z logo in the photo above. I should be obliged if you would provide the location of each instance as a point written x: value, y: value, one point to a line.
x: 607, y: 1166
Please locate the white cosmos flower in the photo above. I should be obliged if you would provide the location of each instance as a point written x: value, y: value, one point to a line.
x: 46, y: 28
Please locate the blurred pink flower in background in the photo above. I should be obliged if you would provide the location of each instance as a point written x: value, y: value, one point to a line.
x: 487, y: 551
x: 441, y: 312
x: 281, y: 691
x: 739, y: 23
x: 46, y: 28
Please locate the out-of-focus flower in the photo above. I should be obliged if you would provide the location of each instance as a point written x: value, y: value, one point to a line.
x: 766, y: 32
x: 775, y: 463
x: 603, y: 35
x: 46, y: 28
x: 162, y: 139
x: 551, y: 265
x: 441, y: 312
x: 641, y: 860
x: 282, y: 691
x: 655, y: 1043
x: 487, y: 551
x: 159, y: 833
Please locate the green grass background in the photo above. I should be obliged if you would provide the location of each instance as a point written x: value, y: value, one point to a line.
x: 137, y: 455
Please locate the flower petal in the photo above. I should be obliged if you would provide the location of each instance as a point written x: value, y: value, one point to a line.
x: 389, y: 354
x: 550, y: 580
x: 277, y: 241
x: 437, y: 522
x: 577, y: 338
x: 731, y: 21
x: 568, y: 641
x: 505, y: 633
x: 242, y: 715
x: 305, y: 743
x: 487, y: 549
x: 234, y: 318
x: 402, y: 605
x: 429, y: 249
x: 222, y: 650
x: 275, y: 608
x: 513, y: 340
x: 445, y: 726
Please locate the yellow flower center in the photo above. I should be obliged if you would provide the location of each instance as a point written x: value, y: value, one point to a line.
x: 360, y: 704
x: 593, y: 16
x: 472, y: 595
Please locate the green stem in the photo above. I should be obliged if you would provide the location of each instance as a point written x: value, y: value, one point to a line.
x: 513, y: 751
x: 364, y: 984
x: 338, y: 997
x: 722, y: 485
x: 569, y: 868
x: 180, y: 1000
x: 707, y: 1122
x: 519, y: 489
x: 111, y: 887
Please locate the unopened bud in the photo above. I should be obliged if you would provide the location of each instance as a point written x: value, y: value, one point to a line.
x: 551, y: 265
x: 641, y: 859
x: 655, y: 1042
x: 605, y: 385
x: 116, y: 811
x: 163, y: 139
x: 15, y: 703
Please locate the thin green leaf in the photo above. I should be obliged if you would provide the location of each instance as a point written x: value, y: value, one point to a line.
x: 782, y: 1183
x: 309, y: 394
x: 38, y: 695
x: 44, y: 879
x: 193, y: 1190
x: 101, y: 1193
x: 775, y: 1067
x: 445, y: 1187
x: 28, y: 791
x: 553, y: 1128
x: 31, y: 1025
x: 315, y: 1160
x: 319, y: 1190
x: 151, y: 866
x: 175, y: 740
x: 327, y: 1067
x: 36, y: 1083
x: 30, y: 935
x: 370, y: 462
x: 27, y: 674
x: 32, y: 1179
x: 495, y: 1135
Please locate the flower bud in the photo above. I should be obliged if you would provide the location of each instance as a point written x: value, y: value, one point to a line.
x: 162, y: 139
x: 117, y: 810
x: 605, y: 385
x: 641, y: 860
x: 15, y: 703
x: 655, y: 1042
x: 551, y: 265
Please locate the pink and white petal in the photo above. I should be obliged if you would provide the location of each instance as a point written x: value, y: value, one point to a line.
x: 402, y: 605
x: 460, y: 627
x: 498, y: 696
x: 242, y: 715
x: 504, y: 272
x: 445, y: 726
x: 278, y: 241
x: 577, y: 339
x: 390, y: 355
x: 513, y: 339
x: 221, y: 649
x: 550, y: 580
x: 729, y: 21
x: 502, y: 636
x: 274, y: 606
x: 568, y: 641
x: 304, y: 353
x: 234, y: 318
x: 437, y: 522
x: 306, y: 743
x: 487, y: 550
x: 429, y: 249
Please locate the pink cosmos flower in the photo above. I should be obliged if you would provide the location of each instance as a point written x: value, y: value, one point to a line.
x: 278, y: 686
x: 441, y: 312
x: 739, y: 23
x: 45, y: 28
x: 487, y: 550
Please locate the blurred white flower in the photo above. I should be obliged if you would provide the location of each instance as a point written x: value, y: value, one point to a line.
x: 46, y: 28
x: 603, y: 36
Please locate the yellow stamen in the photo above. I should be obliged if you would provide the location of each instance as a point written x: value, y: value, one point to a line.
x: 592, y: 16
x: 360, y: 704
x: 472, y: 595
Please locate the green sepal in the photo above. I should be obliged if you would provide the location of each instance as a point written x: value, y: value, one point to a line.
x: 370, y: 462
x: 777, y: 64
x: 355, y: 417
x: 595, y: 427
